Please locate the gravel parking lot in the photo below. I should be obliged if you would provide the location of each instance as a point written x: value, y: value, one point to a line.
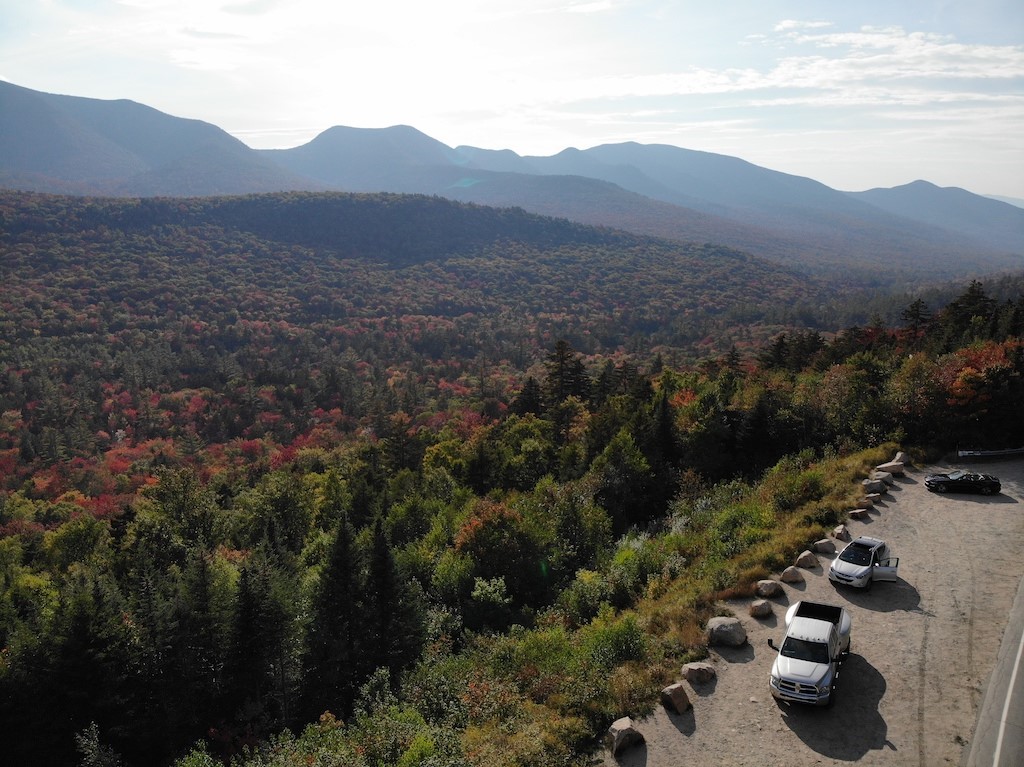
x: 922, y: 648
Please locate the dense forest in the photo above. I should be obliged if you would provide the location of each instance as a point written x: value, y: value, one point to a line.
x: 383, y: 480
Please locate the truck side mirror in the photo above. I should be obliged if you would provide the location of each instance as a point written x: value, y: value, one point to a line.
x: 772, y: 644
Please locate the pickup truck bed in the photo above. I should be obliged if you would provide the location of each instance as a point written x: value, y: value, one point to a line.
x: 818, y: 611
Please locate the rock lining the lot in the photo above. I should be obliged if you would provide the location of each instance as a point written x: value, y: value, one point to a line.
x: 699, y: 672
x: 623, y: 734
x: 674, y: 698
x: 873, y: 486
x: 768, y: 588
x: 792, y: 574
x: 726, y: 631
x: 883, y: 476
x: 824, y: 546
x: 807, y: 560
x: 895, y: 468
x: 760, y: 608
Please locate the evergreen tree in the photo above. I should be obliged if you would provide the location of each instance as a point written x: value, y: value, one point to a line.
x: 392, y: 629
x: 916, y: 318
x: 566, y: 376
x: 258, y: 673
x: 329, y: 670
x: 967, y: 318
x: 529, y: 399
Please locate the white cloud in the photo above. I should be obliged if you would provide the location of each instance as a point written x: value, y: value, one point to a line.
x: 789, y: 24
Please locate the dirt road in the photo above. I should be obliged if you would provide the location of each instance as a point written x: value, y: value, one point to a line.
x: 922, y: 648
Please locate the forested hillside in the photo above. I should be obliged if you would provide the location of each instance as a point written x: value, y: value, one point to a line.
x: 383, y: 480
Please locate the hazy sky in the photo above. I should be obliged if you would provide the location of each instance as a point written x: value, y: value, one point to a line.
x: 854, y: 93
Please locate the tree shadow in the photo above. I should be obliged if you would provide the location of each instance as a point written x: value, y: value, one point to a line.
x: 853, y: 727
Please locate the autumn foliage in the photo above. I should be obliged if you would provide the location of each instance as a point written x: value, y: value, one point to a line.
x: 397, y: 469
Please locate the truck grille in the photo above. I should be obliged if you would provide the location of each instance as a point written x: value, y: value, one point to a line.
x: 795, y: 688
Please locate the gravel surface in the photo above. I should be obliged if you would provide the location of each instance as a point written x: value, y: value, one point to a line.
x: 922, y: 648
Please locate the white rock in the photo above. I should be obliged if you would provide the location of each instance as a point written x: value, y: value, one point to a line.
x: 826, y: 546
x: 726, y: 631
x: 807, y: 560
x: 699, y: 672
x: 792, y: 574
x: 622, y: 735
x: 893, y: 467
x: 768, y: 588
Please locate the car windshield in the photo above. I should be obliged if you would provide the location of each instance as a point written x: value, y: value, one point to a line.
x: 856, y: 555
x: 958, y: 474
x: 801, y: 649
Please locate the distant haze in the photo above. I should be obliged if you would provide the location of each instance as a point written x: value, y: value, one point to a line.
x: 855, y: 95
x: 83, y: 146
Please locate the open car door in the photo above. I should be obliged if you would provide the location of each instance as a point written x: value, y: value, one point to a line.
x: 885, y: 569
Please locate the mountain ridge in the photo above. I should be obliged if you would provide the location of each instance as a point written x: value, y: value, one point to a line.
x: 72, y: 145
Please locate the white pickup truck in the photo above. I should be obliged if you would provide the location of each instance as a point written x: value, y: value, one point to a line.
x: 816, y: 644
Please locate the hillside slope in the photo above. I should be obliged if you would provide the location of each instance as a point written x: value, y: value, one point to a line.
x: 347, y: 261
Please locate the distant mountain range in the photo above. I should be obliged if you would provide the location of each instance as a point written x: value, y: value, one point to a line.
x: 912, y: 233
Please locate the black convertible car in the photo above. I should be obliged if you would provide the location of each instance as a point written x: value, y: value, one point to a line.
x: 961, y: 481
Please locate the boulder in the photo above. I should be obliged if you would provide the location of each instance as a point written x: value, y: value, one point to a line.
x: 893, y: 467
x: 792, y: 574
x: 873, y: 497
x: 699, y: 672
x: 865, y: 502
x: 622, y: 735
x: 883, y: 476
x: 840, y: 533
x: 824, y: 546
x: 858, y: 513
x: 768, y: 588
x: 760, y: 608
x: 807, y: 560
x: 873, y: 486
x: 726, y: 631
x: 901, y: 458
x: 674, y: 698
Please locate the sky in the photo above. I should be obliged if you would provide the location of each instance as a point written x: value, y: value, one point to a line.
x: 856, y: 94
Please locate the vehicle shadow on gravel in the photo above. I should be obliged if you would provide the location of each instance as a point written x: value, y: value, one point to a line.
x: 981, y: 500
x: 883, y: 597
x: 853, y: 727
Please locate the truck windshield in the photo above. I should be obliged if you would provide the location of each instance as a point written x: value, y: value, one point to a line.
x: 801, y: 649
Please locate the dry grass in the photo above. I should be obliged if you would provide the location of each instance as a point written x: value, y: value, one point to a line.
x: 675, y: 613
